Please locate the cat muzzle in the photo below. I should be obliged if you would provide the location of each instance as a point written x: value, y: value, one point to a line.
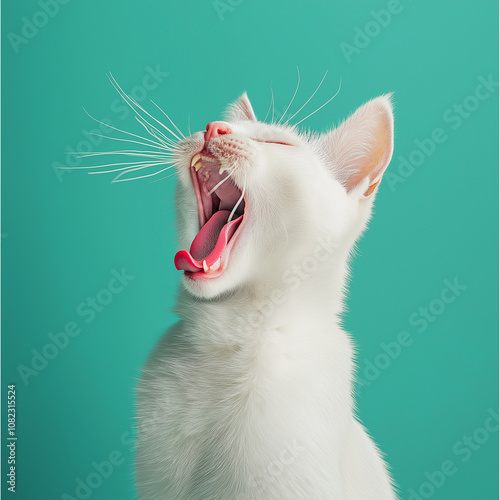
x: 221, y: 207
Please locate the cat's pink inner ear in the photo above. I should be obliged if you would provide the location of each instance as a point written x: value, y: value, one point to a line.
x: 361, y: 148
x: 240, y: 110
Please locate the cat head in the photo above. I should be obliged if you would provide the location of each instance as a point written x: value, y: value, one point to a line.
x: 255, y: 198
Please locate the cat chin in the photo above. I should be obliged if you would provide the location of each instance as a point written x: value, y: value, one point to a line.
x: 208, y: 288
x: 236, y: 275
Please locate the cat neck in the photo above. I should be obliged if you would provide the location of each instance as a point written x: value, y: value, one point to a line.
x: 306, y: 293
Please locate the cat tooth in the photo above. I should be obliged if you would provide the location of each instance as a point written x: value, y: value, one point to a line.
x: 205, y: 266
x: 216, y: 265
x: 198, y: 165
x: 196, y: 157
x: 221, y: 170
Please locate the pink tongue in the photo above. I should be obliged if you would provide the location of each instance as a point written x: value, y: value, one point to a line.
x: 209, y: 243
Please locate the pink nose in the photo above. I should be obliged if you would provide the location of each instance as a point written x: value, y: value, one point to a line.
x: 215, y: 129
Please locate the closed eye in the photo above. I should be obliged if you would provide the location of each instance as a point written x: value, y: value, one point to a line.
x: 273, y: 142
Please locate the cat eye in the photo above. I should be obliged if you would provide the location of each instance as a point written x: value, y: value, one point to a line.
x: 273, y: 142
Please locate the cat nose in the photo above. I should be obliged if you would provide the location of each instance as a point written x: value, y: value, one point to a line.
x: 215, y: 129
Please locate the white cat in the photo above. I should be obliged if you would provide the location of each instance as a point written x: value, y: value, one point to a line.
x: 249, y: 395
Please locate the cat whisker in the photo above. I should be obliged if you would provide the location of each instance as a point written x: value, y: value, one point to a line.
x: 129, y: 169
x: 212, y: 191
x: 164, y: 147
x: 163, y: 178
x: 168, y: 117
x: 305, y: 104
x: 111, y: 165
x: 117, y: 178
x: 154, y: 131
x: 293, y: 97
x: 137, y: 105
x: 229, y: 172
x: 272, y: 117
x: 145, y: 154
x: 159, y: 146
x: 189, y: 124
x: 120, y: 130
x: 169, y: 144
x: 132, y: 103
x: 271, y: 102
x: 329, y: 100
x: 237, y: 204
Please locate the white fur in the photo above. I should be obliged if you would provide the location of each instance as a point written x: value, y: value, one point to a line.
x: 249, y: 395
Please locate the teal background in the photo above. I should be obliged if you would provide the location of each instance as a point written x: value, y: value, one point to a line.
x: 63, y: 234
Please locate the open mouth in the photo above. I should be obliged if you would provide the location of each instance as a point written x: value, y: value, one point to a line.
x: 221, y: 206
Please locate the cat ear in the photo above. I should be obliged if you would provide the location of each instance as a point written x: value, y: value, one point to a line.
x: 360, y: 149
x: 240, y: 110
